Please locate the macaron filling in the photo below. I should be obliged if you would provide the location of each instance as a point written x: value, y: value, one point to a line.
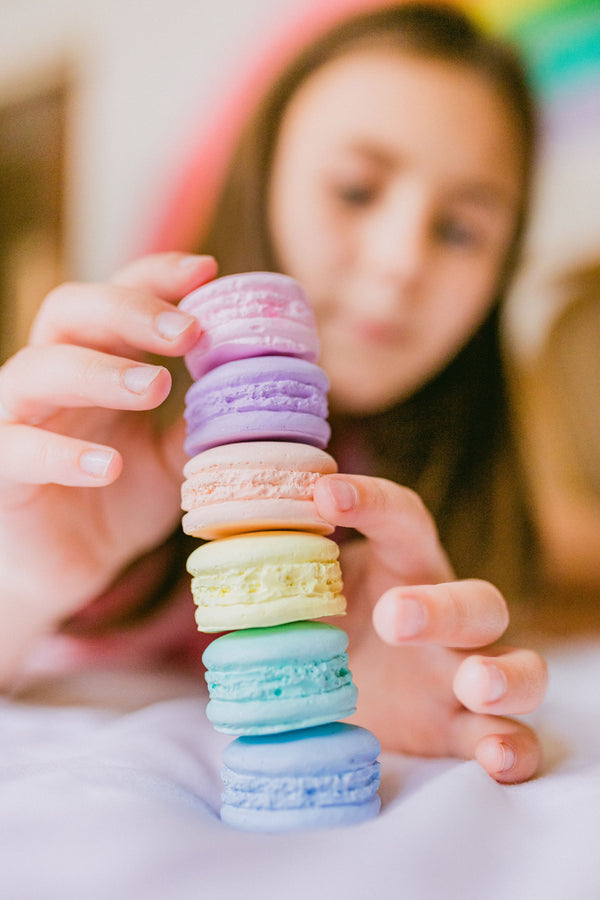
x: 298, y: 679
x: 267, y: 582
x: 222, y: 484
x: 273, y: 395
x: 248, y: 791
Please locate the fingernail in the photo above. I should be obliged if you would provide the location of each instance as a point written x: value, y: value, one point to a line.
x: 508, y: 758
x: 96, y: 462
x: 411, y: 618
x: 344, y: 495
x: 497, y: 683
x: 170, y: 324
x: 138, y: 379
x: 192, y: 260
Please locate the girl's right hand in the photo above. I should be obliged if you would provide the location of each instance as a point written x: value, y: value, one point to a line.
x: 74, y: 418
x: 433, y: 678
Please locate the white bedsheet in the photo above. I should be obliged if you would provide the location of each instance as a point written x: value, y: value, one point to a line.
x: 110, y: 791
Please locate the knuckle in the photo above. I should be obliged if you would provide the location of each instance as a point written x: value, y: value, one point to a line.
x: 45, y: 453
x: 392, y: 496
x: 456, y: 604
x: 55, y: 298
x: 424, y: 522
x: 139, y: 269
x: 50, y: 307
x: 496, y: 604
x: 124, y: 302
x: 535, y: 674
x: 416, y: 506
x: 169, y: 257
x: 94, y: 370
x: 474, y: 607
x: 16, y: 365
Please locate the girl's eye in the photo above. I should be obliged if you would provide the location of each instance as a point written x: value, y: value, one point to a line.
x: 457, y: 233
x: 355, y: 195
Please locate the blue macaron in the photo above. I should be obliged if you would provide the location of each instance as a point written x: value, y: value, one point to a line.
x: 268, y: 680
x: 320, y: 777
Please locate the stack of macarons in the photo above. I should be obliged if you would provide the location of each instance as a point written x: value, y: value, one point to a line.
x: 257, y: 430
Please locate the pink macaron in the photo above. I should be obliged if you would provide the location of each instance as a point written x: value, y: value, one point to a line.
x: 254, y: 486
x: 250, y: 314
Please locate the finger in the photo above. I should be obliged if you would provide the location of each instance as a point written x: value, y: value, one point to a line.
x: 401, y: 531
x: 512, y: 682
x: 33, y: 456
x: 39, y: 380
x: 507, y: 750
x: 469, y: 613
x: 113, y: 319
x: 167, y: 275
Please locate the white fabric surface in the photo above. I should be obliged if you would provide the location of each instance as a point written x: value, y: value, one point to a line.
x: 113, y: 792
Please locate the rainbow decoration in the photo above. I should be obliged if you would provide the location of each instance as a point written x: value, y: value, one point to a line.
x: 560, y: 42
x: 559, y: 39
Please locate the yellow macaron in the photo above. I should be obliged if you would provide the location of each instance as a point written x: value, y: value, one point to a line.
x: 266, y: 578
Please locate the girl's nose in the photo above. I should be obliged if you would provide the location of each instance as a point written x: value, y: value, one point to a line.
x: 397, y: 239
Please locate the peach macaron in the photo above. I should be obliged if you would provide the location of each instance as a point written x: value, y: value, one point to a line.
x: 254, y: 486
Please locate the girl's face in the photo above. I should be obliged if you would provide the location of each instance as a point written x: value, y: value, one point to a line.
x: 393, y: 200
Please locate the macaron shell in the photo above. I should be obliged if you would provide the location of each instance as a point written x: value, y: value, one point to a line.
x: 331, y: 749
x: 274, y: 547
x: 226, y: 519
x: 271, y: 717
x: 247, y: 315
x: 245, y: 339
x: 261, y: 454
x: 258, y: 425
x: 298, y: 642
x: 312, y: 818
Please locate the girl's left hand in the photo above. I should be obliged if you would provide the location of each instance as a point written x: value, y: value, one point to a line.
x: 432, y: 680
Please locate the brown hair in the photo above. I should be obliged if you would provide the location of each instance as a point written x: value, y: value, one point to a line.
x: 452, y: 441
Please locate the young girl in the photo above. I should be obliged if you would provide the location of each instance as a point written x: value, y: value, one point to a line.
x: 388, y: 171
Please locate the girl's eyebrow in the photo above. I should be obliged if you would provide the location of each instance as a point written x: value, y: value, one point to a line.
x: 489, y: 195
x: 374, y: 153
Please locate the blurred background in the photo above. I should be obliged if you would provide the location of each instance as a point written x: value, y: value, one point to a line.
x: 102, y: 103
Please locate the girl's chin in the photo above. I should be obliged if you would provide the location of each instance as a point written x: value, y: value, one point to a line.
x: 361, y: 390
x: 359, y: 404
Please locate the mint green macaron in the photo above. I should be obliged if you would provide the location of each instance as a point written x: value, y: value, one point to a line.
x: 282, y: 678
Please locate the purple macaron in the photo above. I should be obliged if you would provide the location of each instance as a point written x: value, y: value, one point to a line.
x: 250, y: 314
x: 258, y: 399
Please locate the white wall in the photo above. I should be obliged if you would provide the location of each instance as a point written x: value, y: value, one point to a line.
x: 142, y: 66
